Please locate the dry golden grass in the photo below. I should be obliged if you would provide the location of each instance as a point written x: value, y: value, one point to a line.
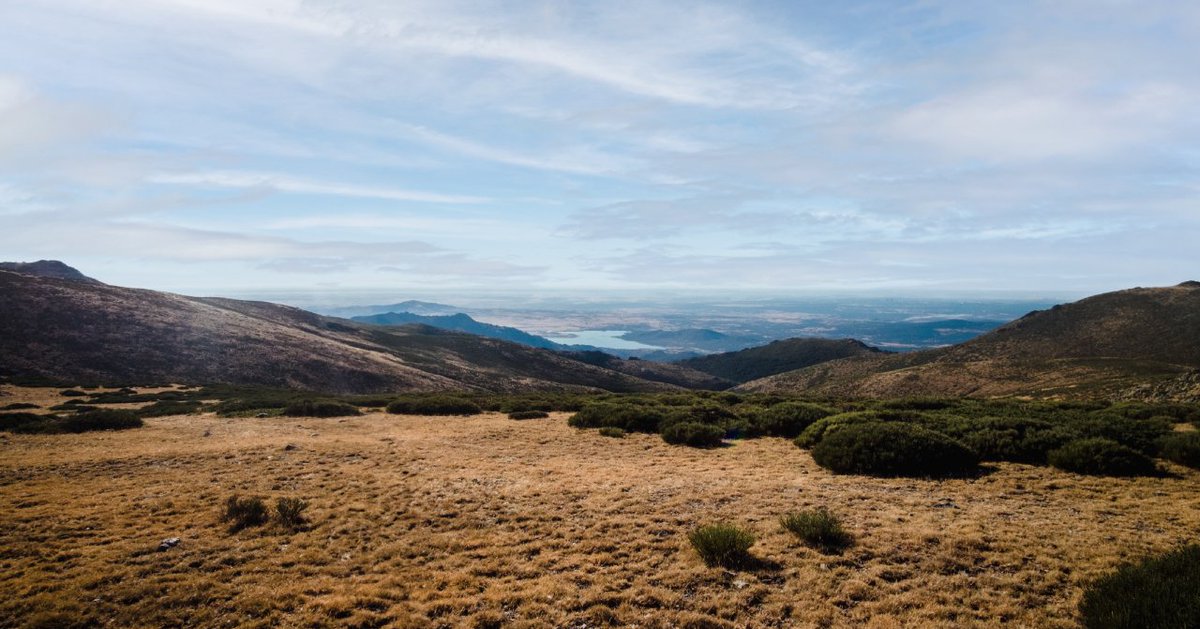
x: 486, y: 522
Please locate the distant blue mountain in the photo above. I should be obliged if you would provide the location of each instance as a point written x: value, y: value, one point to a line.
x: 462, y: 323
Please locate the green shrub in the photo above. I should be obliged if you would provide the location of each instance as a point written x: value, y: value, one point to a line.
x: 1018, y: 439
x: 1162, y: 591
x: 289, y: 512
x: 812, y: 435
x: 1143, y: 435
x: 72, y: 393
x: 434, y: 405
x: 320, y: 408
x: 722, y: 544
x: 919, y: 404
x: 693, y: 434
x: 1182, y: 448
x: 789, y: 419
x: 163, y: 408
x: 94, y: 420
x: 528, y: 415
x: 20, y: 422
x: 628, y: 417
x: 610, y: 431
x: 241, y: 512
x: 893, y: 449
x: 818, y: 528
x: 18, y: 406
x: 1101, y: 457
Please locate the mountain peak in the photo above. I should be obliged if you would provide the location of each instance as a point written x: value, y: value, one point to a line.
x: 47, y: 268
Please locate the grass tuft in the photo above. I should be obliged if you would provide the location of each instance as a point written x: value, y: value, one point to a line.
x: 722, y: 544
x: 818, y: 528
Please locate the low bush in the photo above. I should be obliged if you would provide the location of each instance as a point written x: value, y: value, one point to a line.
x: 16, y: 422
x: 320, y: 408
x: 610, y: 431
x: 1162, y: 591
x: 241, y: 512
x: 289, y: 512
x: 628, y: 417
x: 18, y: 406
x: 72, y: 393
x: 893, y: 449
x: 722, y: 544
x: 818, y: 528
x: 1182, y: 448
x: 789, y: 419
x: 528, y: 415
x: 693, y: 434
x: 170, y: 407
x: 102, y: 419
x: 434, y: 405
x: 818, y: 429
x: 1098, y: 456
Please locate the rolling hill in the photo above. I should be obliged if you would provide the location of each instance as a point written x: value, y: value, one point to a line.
x: 776, y: 357
x: 1106, y: 345
x: 86, y: 332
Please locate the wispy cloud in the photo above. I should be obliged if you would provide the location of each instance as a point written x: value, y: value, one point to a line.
x: 286, y: 183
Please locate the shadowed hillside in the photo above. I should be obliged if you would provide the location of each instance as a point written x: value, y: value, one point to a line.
x: 1108, y: 344
x: 88, y: 332
x: 777, y: 357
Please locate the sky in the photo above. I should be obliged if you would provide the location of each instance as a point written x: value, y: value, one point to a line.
x: 781, y: 147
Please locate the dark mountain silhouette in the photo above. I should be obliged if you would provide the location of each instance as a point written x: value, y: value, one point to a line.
x: 92, y: 333
x: 693, y: 339
x: 1102, y: 345
x: 680, y: 375
x: 776, y: 357
x: 462, y: 323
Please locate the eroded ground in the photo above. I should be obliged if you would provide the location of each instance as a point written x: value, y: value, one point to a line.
x: 486, y: 521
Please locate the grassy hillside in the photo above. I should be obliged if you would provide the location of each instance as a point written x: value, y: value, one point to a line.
x: 777, y: 357
x: 1109, y: 345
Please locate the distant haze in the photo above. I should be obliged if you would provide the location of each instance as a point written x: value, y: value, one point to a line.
x: 621, y: 150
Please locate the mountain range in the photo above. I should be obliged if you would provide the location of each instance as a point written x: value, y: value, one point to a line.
x: 57, y: 323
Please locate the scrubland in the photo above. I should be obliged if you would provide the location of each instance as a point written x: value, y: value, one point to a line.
x: 486, y: 521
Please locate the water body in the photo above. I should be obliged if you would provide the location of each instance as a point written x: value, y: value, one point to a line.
x: 607, y: 339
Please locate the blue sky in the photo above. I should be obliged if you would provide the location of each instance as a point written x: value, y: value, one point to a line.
x: 924, y: 147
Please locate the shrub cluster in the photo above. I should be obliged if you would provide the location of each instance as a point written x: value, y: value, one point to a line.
x: 789, y: 419
x: 1101, y: 457
x: 609, y: 431
x: 320, y: 408
x: 722, y: 544
x: 1161, y: 591
x: 86, y: 421
x: 818, y: 528
x: 693, y: 434
x: 528, y: 415
x: 434, y: 405
x: 1182, y: 448
x: 893, y: 449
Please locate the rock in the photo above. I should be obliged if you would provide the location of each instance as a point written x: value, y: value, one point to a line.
x: 289, y: 447
x: 167, y: 544
x: 261, y: 415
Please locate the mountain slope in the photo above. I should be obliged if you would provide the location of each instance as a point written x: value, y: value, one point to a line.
x: 1102, y: 345
x: 88, y: 332
x: 776, y: 357
x: 669, y: 373
x: 46, y: 268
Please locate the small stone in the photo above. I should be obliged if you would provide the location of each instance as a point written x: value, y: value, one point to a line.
x: 261, y: 415
x: 168, y: 544
x: 289, y: 447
